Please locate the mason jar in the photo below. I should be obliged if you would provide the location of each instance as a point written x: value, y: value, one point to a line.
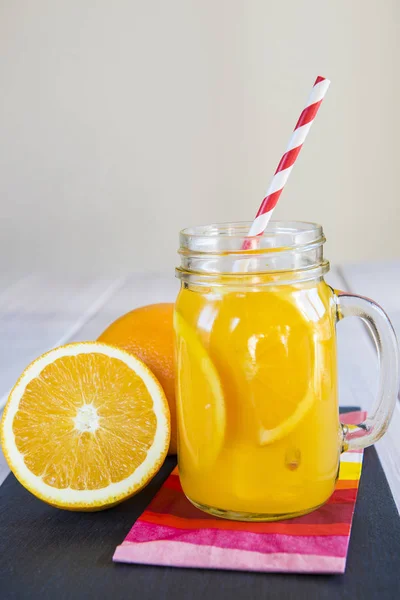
x: 259, y: 436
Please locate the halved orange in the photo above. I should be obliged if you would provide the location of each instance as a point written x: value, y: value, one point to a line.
x: 86, y: 426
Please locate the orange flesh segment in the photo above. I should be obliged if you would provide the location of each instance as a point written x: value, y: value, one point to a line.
x: 117, y: 439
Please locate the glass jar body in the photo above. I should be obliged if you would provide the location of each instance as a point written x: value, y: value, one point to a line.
x: 258, y: 426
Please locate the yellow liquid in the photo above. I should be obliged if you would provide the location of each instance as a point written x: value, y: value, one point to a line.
x: 258, y: 426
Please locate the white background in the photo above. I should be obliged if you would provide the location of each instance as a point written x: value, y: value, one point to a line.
x: 123, y: 121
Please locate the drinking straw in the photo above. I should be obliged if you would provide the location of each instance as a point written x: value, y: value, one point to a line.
x: 287, y: 161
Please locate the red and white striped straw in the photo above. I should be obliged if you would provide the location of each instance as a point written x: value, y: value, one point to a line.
x: 287, y: 161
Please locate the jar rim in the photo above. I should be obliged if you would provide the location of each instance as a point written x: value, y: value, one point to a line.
x: 287, y: 249
x: 230, y: 237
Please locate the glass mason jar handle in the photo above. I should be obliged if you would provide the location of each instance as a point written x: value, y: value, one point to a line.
x: 376, y: 423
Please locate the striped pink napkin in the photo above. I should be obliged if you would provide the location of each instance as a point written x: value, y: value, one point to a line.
x: 172, y: 532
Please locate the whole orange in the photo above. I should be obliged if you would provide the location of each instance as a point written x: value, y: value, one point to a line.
x: 148, y: 333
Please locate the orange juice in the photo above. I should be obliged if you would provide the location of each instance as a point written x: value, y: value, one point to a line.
x: 258, y: 427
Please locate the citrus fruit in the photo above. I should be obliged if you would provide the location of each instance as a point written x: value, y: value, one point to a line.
x: 147, y: 332
x: 269, y: 361
x: 200, y: 399
x: 86, y: 426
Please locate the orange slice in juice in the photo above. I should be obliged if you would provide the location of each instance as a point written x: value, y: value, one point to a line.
x: 201, y: 405
x: 86, y: 426
x: 263, y: 349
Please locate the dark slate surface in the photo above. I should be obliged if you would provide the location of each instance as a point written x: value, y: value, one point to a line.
x: 47, y: 553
